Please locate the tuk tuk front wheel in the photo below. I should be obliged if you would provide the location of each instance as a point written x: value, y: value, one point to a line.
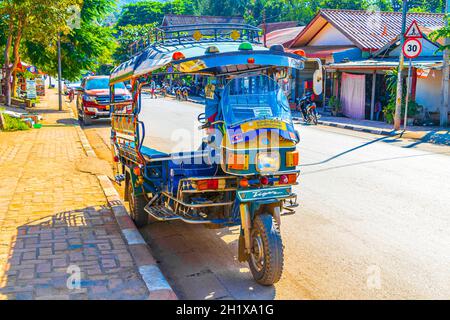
x: 266, y: 257
x: 137, y: 205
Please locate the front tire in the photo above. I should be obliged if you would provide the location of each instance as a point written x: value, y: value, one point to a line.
x: 266, y: 258
x: 86, y: 120
x: 314, y: 116
x: 137, y: 205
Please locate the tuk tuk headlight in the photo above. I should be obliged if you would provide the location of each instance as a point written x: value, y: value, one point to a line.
x: 268, y: 162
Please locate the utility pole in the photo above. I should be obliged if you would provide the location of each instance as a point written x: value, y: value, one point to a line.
x: 59, y: 73
x: 398, y: 100
x: 264, y: 27
x: 445, y: 75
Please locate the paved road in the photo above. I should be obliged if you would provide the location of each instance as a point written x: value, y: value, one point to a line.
x: 374, y: 221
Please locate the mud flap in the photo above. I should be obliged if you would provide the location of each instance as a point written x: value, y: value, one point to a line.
x: 242, y: 254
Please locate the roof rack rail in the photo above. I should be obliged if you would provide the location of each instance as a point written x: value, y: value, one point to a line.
x: 205, y: 32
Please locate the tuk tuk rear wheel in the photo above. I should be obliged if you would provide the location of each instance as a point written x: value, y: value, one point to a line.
x: 137, y: 205
x: 266, y: 257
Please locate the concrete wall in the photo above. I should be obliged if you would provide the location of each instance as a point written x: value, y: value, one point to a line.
x: 330, y: 36
x: 428, y: 91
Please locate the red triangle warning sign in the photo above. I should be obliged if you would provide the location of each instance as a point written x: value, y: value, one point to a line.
x: 413, y: 31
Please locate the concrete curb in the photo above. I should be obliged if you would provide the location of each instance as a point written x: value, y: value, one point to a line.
x: 157, y: 285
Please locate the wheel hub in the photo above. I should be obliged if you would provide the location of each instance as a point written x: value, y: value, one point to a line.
x: 257, y: 253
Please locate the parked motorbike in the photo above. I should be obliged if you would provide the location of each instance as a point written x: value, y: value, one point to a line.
x: 185, y: 93
x: 308, y: 108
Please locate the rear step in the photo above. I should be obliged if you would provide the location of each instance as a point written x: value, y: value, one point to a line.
x: 160, y: 212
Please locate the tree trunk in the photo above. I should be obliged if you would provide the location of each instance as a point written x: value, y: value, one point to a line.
x: 16, y: 55
x: 7, y: 69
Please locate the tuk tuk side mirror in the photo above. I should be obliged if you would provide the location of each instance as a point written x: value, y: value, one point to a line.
x: 202, y: 118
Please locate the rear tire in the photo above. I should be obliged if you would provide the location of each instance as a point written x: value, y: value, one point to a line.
x: 266, y: 258
x: 137, y: 205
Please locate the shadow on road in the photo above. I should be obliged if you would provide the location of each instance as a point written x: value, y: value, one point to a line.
x: 345, y: 152
x: 201, y: 263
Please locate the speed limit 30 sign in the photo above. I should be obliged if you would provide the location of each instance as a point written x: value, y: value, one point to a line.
x: 412, y: 48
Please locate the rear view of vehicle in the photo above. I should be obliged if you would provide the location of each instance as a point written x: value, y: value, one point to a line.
x: 93, y: 100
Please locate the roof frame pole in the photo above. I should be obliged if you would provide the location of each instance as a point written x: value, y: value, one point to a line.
x: 445, y: 75
x: 398, y: 100
x: 372, y: 101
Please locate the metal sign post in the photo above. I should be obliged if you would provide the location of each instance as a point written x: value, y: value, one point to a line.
x: 408, y: 88
x: 412, y: 47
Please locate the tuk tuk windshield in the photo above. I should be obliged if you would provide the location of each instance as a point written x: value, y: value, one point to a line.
x: 255, y: 97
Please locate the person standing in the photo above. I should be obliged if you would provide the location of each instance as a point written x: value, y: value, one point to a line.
x: 153, y: 89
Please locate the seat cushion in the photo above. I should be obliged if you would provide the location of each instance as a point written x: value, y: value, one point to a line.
x: 152, y: 153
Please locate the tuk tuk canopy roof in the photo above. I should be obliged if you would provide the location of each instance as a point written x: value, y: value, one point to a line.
x: 227, y: 57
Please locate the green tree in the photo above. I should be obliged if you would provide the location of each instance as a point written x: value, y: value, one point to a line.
x: 127, y: 35
x: 442, y: 33
x: 138, y: 20
x: 148, y: 12
x: 82, y: 49
x: 31, y: 20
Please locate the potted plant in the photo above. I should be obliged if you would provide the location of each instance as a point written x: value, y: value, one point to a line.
x: 336, y: 107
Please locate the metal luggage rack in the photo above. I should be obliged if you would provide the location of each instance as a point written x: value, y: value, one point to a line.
x: 206, y: 32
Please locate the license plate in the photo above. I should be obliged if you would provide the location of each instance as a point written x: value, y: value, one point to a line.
x: 265, y: 193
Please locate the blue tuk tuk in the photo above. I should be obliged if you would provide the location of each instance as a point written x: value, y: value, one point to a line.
x: 243, y: 172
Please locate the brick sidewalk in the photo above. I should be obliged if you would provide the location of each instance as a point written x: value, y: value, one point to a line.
x: 54, y: 220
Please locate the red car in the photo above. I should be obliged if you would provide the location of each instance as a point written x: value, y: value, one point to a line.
x: 93, y: 101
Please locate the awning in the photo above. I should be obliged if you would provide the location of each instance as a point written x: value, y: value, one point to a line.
x: 321, y: 52
x: 384, y: 64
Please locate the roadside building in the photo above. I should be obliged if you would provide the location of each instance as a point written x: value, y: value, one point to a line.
x: 358, y: 47
x: 273, y: 26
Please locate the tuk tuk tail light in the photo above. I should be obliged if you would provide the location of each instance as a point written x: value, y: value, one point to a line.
x: 116, y: 159
x: 292, y: 178
x: 210, y: 184
x: 264, y: 181
x: 251, y: 60
x: 292, y: 159
x: 288, y: 179
x: 137, y: 171
x: 244, y: 183
x: 284, y: 179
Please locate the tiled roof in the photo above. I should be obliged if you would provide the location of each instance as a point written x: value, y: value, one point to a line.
x: 272, y: 26
x: 174, y: 20
x: 283, y: 36
x: 368, y: 30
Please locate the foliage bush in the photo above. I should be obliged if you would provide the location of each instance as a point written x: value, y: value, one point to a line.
x: 14, y: 124
x: 335, y: 105
x: 389, y: 109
